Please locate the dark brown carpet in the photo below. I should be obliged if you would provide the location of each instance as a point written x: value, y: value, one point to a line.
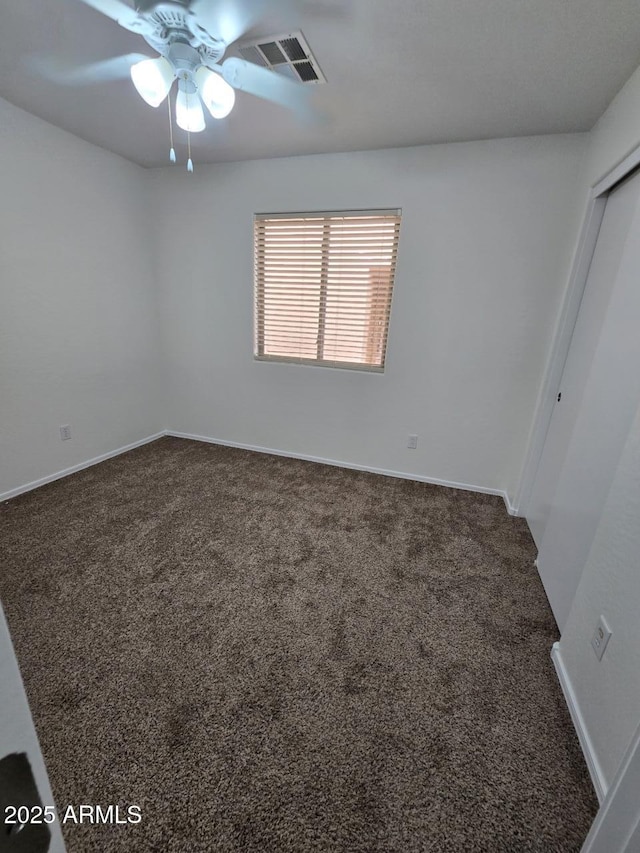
x: 273, y: 655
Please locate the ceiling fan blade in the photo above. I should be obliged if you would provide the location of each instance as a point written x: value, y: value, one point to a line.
x: 116, y: 68
x: 120, y: 13
x: 228, y: 20
x: 266, y: 84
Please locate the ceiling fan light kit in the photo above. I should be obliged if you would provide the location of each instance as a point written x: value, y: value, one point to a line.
x: 217, y: 95
x: 191, y: 38
x: 152, y: 79
x: 189, y: 114
x: 197, y: 85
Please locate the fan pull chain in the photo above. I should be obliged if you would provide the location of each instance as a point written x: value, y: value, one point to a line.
x: 172, y: 150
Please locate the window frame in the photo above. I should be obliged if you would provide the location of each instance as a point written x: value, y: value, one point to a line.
x: 258, y: 293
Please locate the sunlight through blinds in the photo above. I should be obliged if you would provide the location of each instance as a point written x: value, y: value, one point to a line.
x: 323, y: 287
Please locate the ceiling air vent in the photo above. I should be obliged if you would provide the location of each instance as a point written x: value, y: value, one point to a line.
x: 288, y: 54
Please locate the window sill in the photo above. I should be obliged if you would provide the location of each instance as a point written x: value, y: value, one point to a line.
x: 310, y: 362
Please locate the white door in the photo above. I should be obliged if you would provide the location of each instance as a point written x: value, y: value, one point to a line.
x: 17, y: 738
x: 613, y: 235
x: 600, y: 393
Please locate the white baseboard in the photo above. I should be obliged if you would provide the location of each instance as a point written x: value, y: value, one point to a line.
x: 403, y: 475
x: 595, y: 771
x: 511, y: 509
x: 12, y: 493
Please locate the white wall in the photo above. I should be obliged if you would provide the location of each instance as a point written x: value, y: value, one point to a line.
x: 617, y: 132
x: 79, y: 331
x: 608, y: 693
x: 483, y: 250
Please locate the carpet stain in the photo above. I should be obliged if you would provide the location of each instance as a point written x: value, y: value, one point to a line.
x: 275, y: 656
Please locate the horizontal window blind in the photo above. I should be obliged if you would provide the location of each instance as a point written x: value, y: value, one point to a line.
x: 323, y: 286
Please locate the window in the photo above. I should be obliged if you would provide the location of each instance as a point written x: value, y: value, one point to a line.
x: 323, y: 286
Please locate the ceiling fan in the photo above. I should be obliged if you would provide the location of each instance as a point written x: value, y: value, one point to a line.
x: 191, y: 38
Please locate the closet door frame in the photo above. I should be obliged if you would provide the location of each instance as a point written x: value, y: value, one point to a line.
x: 567, y: 321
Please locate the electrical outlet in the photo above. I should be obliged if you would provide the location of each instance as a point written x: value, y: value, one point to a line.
x: 65, y: 432
x: 412, y: 442
x: 600, y: 637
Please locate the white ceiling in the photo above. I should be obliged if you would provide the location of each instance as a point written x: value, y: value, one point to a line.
x: 399, y: 72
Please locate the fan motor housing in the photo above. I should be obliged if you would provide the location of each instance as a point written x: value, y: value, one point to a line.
x: 184, y: 58
x: 171, y: 21
x: 146, y: 6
